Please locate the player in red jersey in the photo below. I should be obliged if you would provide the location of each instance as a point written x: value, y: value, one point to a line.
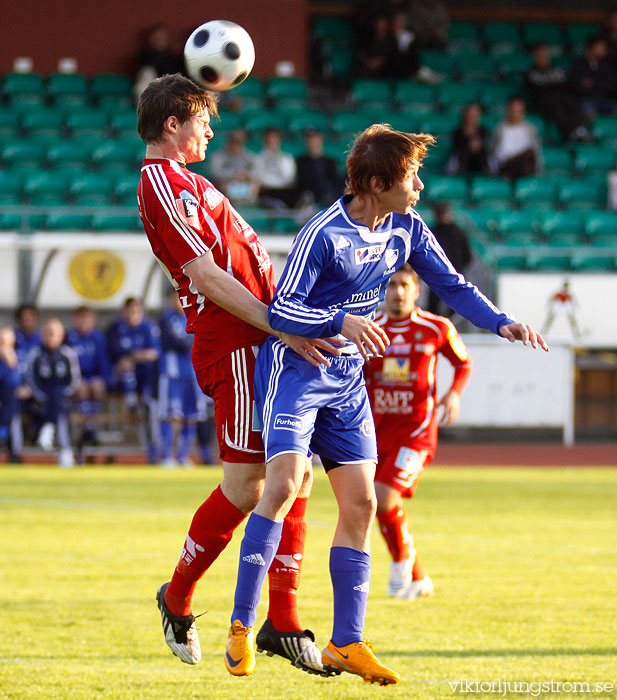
x: 403, y: 395
x: 224, y: 278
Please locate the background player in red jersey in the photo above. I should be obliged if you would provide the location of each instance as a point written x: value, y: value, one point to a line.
x: 223, y: 276
x: 403, y: 395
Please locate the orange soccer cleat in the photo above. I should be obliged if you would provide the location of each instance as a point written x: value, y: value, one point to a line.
x: 358, y: 658
x: 240, y: 653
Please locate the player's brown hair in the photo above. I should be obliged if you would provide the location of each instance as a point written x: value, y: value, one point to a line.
x: 408, y: 270
x: 171, y: 95
x: 381, y: 151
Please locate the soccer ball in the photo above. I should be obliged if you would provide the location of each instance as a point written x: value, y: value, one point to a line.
x: 219, y: 54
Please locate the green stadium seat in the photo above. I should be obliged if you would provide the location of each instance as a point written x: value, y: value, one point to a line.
x: 440, y: 124
x: 593, y: 262
x: 520, y: 239
x: 410, y: 93
x: 508, y: 260
x: 10, y: 222
x: 65, y: 86
x: 337, y: 149
x: 90, y: 121
x: 492, y: 191
x: 116, y: 222
x: 455, y: 95
x: 512, y: 66
x: 577, y: 34
x: 339, y: 60
x: 446, y: 187
x: 526, y: 222
x: 125, y: 187
x: 371, y: 92
x: 9, y: 122
x: 557, y: 160
x: 476, y: 67
x: 331, y: 27
x: 10, y: 187
x: 23, y: 84
x: 605, y: 240
x: 113, y: 85
x: 259, y: 219
x: 124, y: 123
x: 463, y: 32
x: 287, y: 87
x: 438, y: 61
x: 289, y: 106
x: 24, y: 152
x: 250, y: 87
x: 309, y: 119
x: 67, y: 222
x: 567, y: 222
x: 543, y: 32
x: 565, y: 240
x: 592, y: 158
x: 534, y: 191
x: 501, y: 32
x: 256, y: 122
x: 438, y: 155
x: 43, y: 121
x: 91, y: 188
x: 581, y: 193
x: 495, y: 95
x: 45, y: 186
x: 428, y: 215
x: 600, y: 223
x: 485, y: 219
x: 69, y: 153
x: 351, y: 122
x: 295, y: 147
x: 605, y: 129
x: 549, y: 263
x: 115, y: 154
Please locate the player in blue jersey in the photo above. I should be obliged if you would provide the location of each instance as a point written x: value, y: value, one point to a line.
x: 181, y: 401
x: 335, y: 276
x: 133, y: 347
x: 90, y: 345
x: 11, y: 378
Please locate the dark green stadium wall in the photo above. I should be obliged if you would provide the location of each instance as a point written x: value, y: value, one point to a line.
x: 106, y: 36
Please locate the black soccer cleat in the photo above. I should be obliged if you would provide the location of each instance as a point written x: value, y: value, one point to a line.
x: 180, y: 632
x: 297, y: 647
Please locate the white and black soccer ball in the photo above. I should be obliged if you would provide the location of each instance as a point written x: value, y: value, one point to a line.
x: 219, y: 54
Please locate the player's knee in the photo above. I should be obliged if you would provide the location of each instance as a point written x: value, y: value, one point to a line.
x: 281, y: 493
x: 360, y: 511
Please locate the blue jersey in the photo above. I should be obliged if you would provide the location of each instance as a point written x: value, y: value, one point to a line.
x: 337, y: 266
x: 123, y: 339
x: 91, y: 350
x: 25, y: 343
x: 10, y: 379
x: 52, y: 372
x: 176, y: 344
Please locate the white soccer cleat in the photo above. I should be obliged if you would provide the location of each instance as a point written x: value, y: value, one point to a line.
x: 66, y: 459
x: 417, y: 589
x: 46, y: 437
x: 169, y: 463
x: 400, y: 576
x: 180, y: 632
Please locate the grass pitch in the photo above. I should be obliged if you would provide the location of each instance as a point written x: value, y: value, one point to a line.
x: 523, y: 561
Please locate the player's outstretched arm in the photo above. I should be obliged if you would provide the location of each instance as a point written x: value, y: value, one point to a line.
x: 525, y: 333
x: 370, y: 338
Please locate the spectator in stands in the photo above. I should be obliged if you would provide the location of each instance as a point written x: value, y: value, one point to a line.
x: 91, y: 347
x: 455, y: 244
x: 133, y: 348
x: 53, y: 375
x: 377, y: 56
x: 470, y: 153
x: 233, y: 169
x: 276, y: 172
x: 11, y: 379
x: 156, y: 58
x: 609, y: 34
x: 318, y: 180
x: 552, y: 96
x: 27, y: 335
x: 516, y: 144
x: 430, y: 22
x: 181, y: 402
x: 594, y: 79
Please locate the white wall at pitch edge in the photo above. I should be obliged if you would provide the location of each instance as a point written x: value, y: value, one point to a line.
x: 527, y: 297
x: 513, y: 386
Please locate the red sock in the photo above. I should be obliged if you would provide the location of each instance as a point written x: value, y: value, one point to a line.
x: 284, y: 573
x: 211, y: 529
x: 395, y: 531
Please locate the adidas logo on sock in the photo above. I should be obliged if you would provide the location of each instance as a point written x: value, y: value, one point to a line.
x: 254, y: 559
x: 363, y: 587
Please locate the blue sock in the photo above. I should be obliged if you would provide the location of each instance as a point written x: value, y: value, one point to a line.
x: 259, y: 545
x: 167, y: 438
x: 185, y: 441
x: 350, y: 570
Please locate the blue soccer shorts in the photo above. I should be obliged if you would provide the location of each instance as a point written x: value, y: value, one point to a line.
x: 320, y: 409
x: 181, y: 399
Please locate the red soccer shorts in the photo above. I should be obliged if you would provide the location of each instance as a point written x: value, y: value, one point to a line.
x: 229, y: 382
x: 401, y: 467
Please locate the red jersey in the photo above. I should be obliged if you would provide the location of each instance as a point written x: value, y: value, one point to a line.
x: 185, y: 216
x: 401, y: 385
